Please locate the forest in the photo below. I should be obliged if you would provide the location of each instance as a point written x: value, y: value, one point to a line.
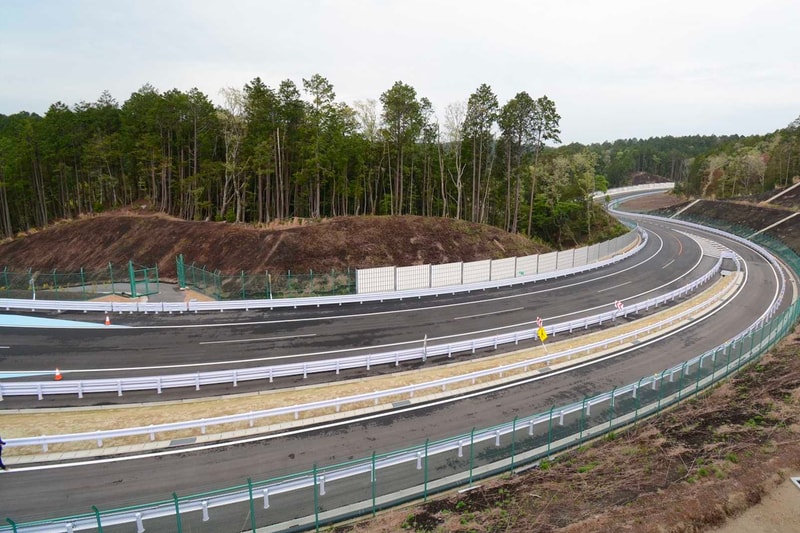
x: 268, y: 154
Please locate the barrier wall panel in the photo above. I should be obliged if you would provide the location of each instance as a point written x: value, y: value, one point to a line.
x: 565, y: 259
x: 592, y: 254
x: 413, y: 277
x: 476, y: 271
x: 526, y: 266
x: 547, y: 262
x: 603, y: 248
x: 581, y: 257
x: 503, y: 268
x: 446, y: 274
x: 375, y: 280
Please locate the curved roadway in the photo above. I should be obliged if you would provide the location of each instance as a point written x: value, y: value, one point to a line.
x: 669, y: 260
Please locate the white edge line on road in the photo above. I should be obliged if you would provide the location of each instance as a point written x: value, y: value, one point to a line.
x: 260, y: 339
x: 614, y: 287
x: 489, y: 314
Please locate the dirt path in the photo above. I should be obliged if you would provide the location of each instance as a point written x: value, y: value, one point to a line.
x: 778, y: 512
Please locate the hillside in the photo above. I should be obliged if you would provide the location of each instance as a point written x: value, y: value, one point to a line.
x: 330, y: 244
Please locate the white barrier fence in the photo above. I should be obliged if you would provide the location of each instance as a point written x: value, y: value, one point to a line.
x: 391, y: 279
x: 421, y: 353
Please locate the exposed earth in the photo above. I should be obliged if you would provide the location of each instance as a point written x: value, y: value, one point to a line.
x: 300, y: 245
x: 698, y: 467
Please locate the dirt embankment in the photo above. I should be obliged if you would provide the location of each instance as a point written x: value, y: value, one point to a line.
x: 333, y: 244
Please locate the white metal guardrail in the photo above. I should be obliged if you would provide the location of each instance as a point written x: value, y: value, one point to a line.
x: 338, y: 403
x: 320, y: 480
x: 421, y: 353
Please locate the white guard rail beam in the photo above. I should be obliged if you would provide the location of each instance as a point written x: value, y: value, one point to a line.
x: 337, y: 403
x: 421, y: 353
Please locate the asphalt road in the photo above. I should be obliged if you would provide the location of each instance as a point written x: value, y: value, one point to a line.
x: 59, y: 490
x: 164, y: 344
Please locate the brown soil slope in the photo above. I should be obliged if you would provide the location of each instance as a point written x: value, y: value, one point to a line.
x: 333, y: 244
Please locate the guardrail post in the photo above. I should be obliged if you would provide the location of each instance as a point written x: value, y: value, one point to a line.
x: 177, y: 513
x: 97, y: 517
x: 550, y: 430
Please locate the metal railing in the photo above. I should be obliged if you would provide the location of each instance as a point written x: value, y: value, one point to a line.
x: 418, y: 353
x: 372, y: 397
x: 327, y: 493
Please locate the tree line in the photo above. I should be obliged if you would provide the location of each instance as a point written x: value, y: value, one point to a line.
x: 272, y: 153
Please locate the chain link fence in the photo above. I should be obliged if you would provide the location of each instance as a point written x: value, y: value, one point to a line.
x: 267, y: 285
x: 128, y: 280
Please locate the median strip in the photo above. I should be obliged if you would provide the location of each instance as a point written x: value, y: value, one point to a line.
x: 29, y: 423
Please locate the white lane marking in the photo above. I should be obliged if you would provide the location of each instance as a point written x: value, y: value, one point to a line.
x: 668, y: 264
x: 233, y: 341
x: 489, y: 314
x: 4, y: 347
x: 392, y: 412
x: 614, y: 287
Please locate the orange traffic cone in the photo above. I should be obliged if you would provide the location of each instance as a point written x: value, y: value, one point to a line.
x: 108, y: 321
x: 57, y: 377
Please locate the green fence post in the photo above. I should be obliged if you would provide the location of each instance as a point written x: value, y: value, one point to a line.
x: 697, y: 381
x: 132, y: 275
x: 180, y: 269
x: 111, y: 275
x: 5, y: 279
x: 660, y: 390
x: 374, y: 484
x: 252, y: 505
x: 583, y: 412
x: 471, y: 454
x: 97, y: 517
x: 83, y: 285
x: 550, y: 430
x: 316, y: 499
x: 177, y: 513
x: 680, y: 380
x: 513, y: 442
x: 425, y: 490
x: 218, y: 283
x: 158, y: 281
x: 311, y: 282
x: 55, y: 280
x: 611, y: 408
x: 638, y: 402
x: 13, y: 524
x: 269, y: 284
x: 244, y: 297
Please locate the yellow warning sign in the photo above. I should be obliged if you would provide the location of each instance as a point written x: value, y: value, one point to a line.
x: 542, y: 334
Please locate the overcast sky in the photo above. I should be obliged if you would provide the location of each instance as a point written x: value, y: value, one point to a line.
x: 615, y: 69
